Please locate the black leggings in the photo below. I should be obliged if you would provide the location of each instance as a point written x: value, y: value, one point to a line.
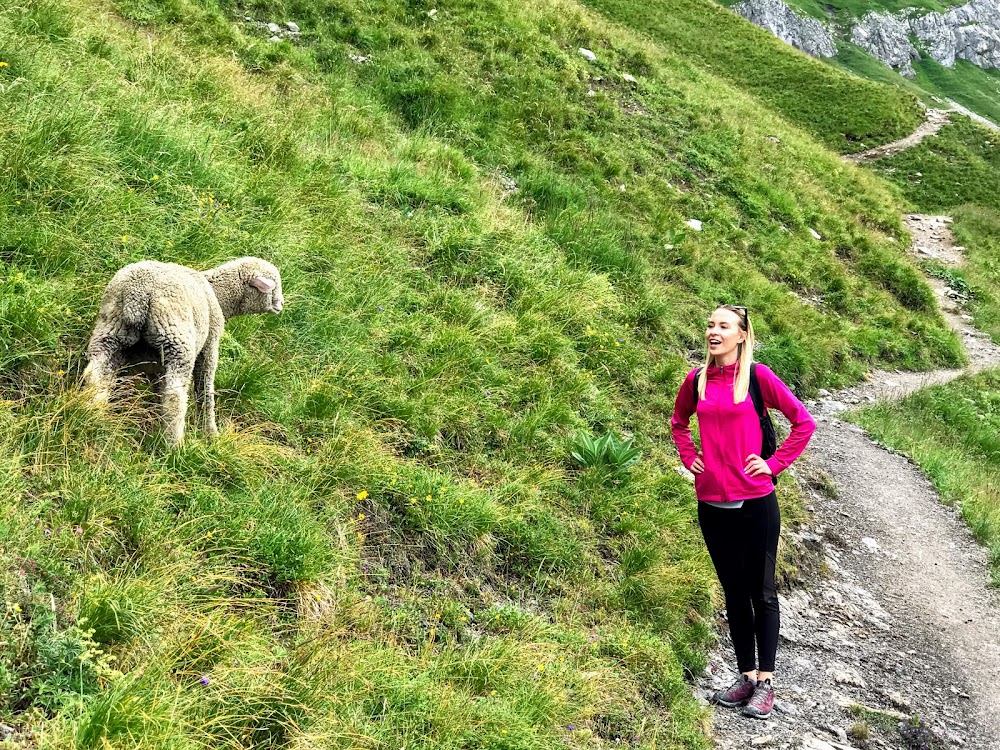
x: 743, y: 543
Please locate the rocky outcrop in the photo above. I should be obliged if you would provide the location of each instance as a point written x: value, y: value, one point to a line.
x: 806, y: 34
x: 970, y: 32
x: 886, y: 38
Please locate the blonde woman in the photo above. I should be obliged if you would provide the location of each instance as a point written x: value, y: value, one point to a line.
x: 737, y: 506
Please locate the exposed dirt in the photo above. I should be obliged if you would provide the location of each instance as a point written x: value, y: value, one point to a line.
x: 903, y: 623
x: 936, y: 119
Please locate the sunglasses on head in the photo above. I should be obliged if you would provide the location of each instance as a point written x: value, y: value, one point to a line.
x: 741, y: 309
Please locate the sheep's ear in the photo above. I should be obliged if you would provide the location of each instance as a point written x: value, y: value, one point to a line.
x: 262, y: 283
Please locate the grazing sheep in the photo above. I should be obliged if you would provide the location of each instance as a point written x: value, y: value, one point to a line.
x: 167, y: 319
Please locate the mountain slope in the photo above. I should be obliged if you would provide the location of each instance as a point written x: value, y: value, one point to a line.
x: 390, y: 542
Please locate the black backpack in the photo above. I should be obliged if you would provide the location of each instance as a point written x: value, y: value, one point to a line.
x: 770, y: 442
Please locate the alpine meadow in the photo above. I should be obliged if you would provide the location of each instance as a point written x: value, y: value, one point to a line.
x: 443, y: 510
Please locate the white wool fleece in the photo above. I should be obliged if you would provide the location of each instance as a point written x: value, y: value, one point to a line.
x: 168, y: 320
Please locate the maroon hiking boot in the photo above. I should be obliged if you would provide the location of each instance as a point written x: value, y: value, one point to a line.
x: 762, y: 702
x: 736, y: 694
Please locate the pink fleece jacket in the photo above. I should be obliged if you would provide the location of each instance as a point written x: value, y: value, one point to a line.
x: 731, y: 432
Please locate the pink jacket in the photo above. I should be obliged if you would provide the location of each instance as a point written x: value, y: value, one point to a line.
x: 731, y: 432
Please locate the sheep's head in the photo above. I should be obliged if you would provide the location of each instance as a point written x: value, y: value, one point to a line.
x: 246, y: 286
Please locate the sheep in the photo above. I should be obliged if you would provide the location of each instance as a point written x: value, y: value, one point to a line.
x: 167, y: 319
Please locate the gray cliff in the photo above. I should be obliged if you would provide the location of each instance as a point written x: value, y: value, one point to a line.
x: 806, y: 34
x: 969, y: 32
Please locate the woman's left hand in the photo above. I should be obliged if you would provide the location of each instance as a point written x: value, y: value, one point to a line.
x: 756, y: 466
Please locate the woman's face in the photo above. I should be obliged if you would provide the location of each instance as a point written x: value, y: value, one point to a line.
x: 724, y: 333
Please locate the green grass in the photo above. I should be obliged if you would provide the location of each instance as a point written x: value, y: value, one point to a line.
x: 954, y: 172
x: 852, y: 58
x: 957, y: 166
x: 843, y: 111
x: 969, y: 85
x: 390, y: 543
x: 951, y: 433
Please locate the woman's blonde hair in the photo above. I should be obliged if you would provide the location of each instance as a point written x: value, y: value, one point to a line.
x: 742, y: 385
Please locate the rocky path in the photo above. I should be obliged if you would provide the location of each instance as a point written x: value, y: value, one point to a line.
x: 902, y: 624
x: 936, y: 118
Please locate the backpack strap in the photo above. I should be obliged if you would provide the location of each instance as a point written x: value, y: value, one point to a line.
x: 755, y: 394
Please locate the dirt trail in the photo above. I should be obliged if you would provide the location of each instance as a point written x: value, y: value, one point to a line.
x: 904, y: 623
x: 936, y: 119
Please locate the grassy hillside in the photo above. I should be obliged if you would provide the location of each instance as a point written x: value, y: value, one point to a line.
x: 484, y: 252
x: 846, y: 113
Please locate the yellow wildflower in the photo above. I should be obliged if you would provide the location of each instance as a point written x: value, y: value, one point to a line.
x: 363, y: 494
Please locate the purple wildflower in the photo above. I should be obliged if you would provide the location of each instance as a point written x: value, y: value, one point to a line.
x: 77, y: 529
x: 204, y: 680
x: 570, y: 727
x: 47, y: 532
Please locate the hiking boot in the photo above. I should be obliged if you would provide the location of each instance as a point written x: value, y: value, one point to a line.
x: 736, y: 694
x: 762, y: 702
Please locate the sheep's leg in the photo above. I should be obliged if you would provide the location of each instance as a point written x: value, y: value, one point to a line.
x: 106, y: 355
x: 204, y: 385
x: 176, y: 382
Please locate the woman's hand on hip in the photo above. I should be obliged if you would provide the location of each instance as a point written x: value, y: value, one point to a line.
x: 697, y: 466
x: 756, y: 466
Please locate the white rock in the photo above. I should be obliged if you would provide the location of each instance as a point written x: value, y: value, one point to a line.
x: 588, y: 54
x: 694, y: 224
x: 432, y: 12
x: 815, y: 235
x: 871, y: 544
x: 273, y: 28
x: 804, y: 33
x: 275, y: 38
x: 684, y: 473
x: 292, y: 26
x: 629, y: 77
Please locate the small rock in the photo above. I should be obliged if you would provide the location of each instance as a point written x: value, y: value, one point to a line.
x: 292, y: 26
x: 815, y: 235
x: 358, y: 59
x: 432, y: 12
x: 784, y: 707
x: 629, y: 77
x: 871, y: 544
x: 813, y: 541
x: 588, y: 54
x: 695, y: 224
x: 762, y: 741
x: 773, y: 139
x: 275, y: 38
x: 273, y: 28
x: 823, y: 393
x: 684, y: 473
x: 844, y: 675
x: 838, y: 732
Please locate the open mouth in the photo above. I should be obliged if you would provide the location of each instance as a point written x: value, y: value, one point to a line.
x: 715, y: 342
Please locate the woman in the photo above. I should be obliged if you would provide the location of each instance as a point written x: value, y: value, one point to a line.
x: 737, y: 508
